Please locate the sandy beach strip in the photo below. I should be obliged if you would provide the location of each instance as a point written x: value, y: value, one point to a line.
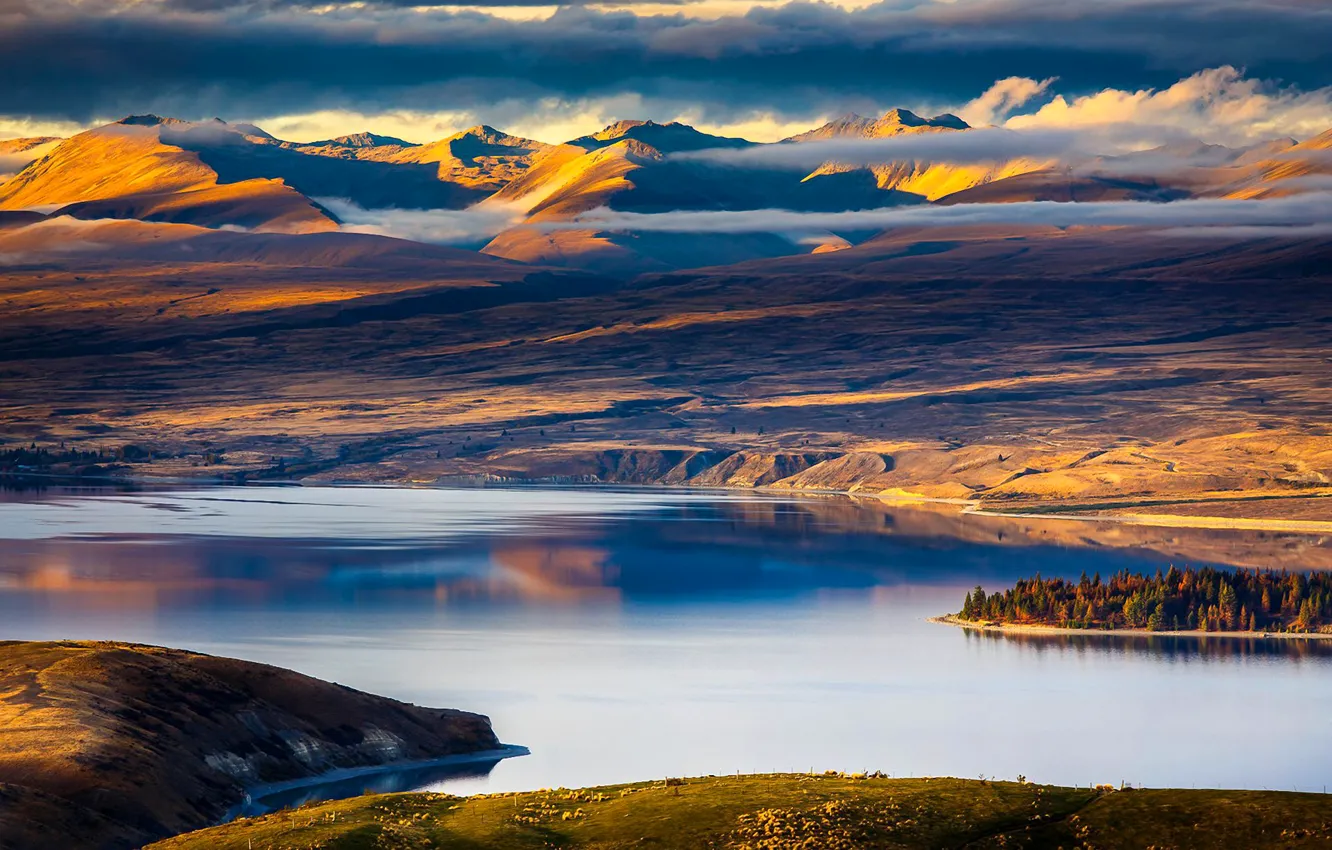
x: 1035, y: 629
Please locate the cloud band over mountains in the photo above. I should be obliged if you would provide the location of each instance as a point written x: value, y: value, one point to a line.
x: 71, y: 61
x: 1299, y: 212
x: 975, y: 146
x: 1297, y: 215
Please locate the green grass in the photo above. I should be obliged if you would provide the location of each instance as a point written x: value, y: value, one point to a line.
x: 790, y: 812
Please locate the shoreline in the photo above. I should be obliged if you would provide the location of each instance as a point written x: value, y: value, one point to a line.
x: 341, y: 774
x: 1167, y: 520
x: 1037, y: 629
x: 966, y: 507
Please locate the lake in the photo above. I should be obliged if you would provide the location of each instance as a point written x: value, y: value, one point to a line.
x: 627, y: 634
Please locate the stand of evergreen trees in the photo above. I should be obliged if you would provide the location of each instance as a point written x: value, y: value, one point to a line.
x: 1205, y: 599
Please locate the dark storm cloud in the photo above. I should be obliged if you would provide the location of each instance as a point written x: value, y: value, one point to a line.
x: 103, y: 57
x: 302, y: 5
x: 977, y: 146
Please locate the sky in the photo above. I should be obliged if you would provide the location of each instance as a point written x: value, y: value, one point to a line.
x: 1228, y: 71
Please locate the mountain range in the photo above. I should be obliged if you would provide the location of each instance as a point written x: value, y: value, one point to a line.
x: 218, y: 175
x: 235, y: 305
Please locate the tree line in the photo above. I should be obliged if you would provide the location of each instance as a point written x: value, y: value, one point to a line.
x: 1205, y: 599
x: 42, y: 457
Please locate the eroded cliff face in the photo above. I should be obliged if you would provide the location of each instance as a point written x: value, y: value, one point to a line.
x: 112, y: 745
x: 1111, y: 472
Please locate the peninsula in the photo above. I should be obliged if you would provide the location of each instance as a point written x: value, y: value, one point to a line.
x: 115, y: 745
x: 1250, y: 603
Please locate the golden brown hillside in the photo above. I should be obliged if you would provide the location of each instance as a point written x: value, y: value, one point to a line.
x: 112, y: 745
x: 1015, y: 367
x: 480, y: 157
x: 109, y: 162
x: 894, y: 122
x: 16, y: 154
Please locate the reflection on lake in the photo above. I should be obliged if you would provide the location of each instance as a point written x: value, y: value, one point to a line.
x: 350, y: 783
x: 1181, y: 647
x: 630, y: 634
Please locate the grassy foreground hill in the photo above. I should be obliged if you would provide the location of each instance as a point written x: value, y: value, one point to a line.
x: 790, y: 811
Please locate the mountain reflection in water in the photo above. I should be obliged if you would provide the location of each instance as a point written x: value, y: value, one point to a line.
x: 655, y: 545
x: 631, y: 633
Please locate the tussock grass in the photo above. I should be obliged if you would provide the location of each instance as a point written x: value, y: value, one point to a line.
x: 791, y: 812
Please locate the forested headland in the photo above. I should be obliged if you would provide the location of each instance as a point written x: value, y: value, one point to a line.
x: 1207, y: 600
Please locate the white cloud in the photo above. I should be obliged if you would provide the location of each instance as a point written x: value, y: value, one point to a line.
x: 438, y: 226
x: 991, y: 144
x: 1000, y: 99
x: 16, y: 127
x: 1219, y: 105
x: 760, y: 127
x: 552, y: 120
x: 1300, y: 211
x: 331, y: 123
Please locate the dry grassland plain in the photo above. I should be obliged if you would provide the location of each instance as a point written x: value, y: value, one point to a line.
x: 1109, y: 372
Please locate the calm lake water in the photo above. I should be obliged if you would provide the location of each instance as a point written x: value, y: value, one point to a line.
x: 631, y: 634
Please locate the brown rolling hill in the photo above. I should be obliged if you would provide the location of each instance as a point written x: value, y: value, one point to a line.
x: 480, y: 158
x: 351, y: 144
x: 127, y: 158
x: 1303, y: 167
x: 236, y: 155
x: 622, y: 168
x: 667, y: 138
x: 894, y: 122
x: 260, y: 205
x: 129, y: 170
x: 215, y: 174
x: 1277, y: 168
x: 921, y: 179
x: 112, y: 745
x: 1063, y: 186
x: 624, y: 174
x: 1005, y: 365
x: 220, y: 175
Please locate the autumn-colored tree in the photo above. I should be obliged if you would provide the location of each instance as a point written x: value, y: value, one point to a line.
x: 1206, y: 599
